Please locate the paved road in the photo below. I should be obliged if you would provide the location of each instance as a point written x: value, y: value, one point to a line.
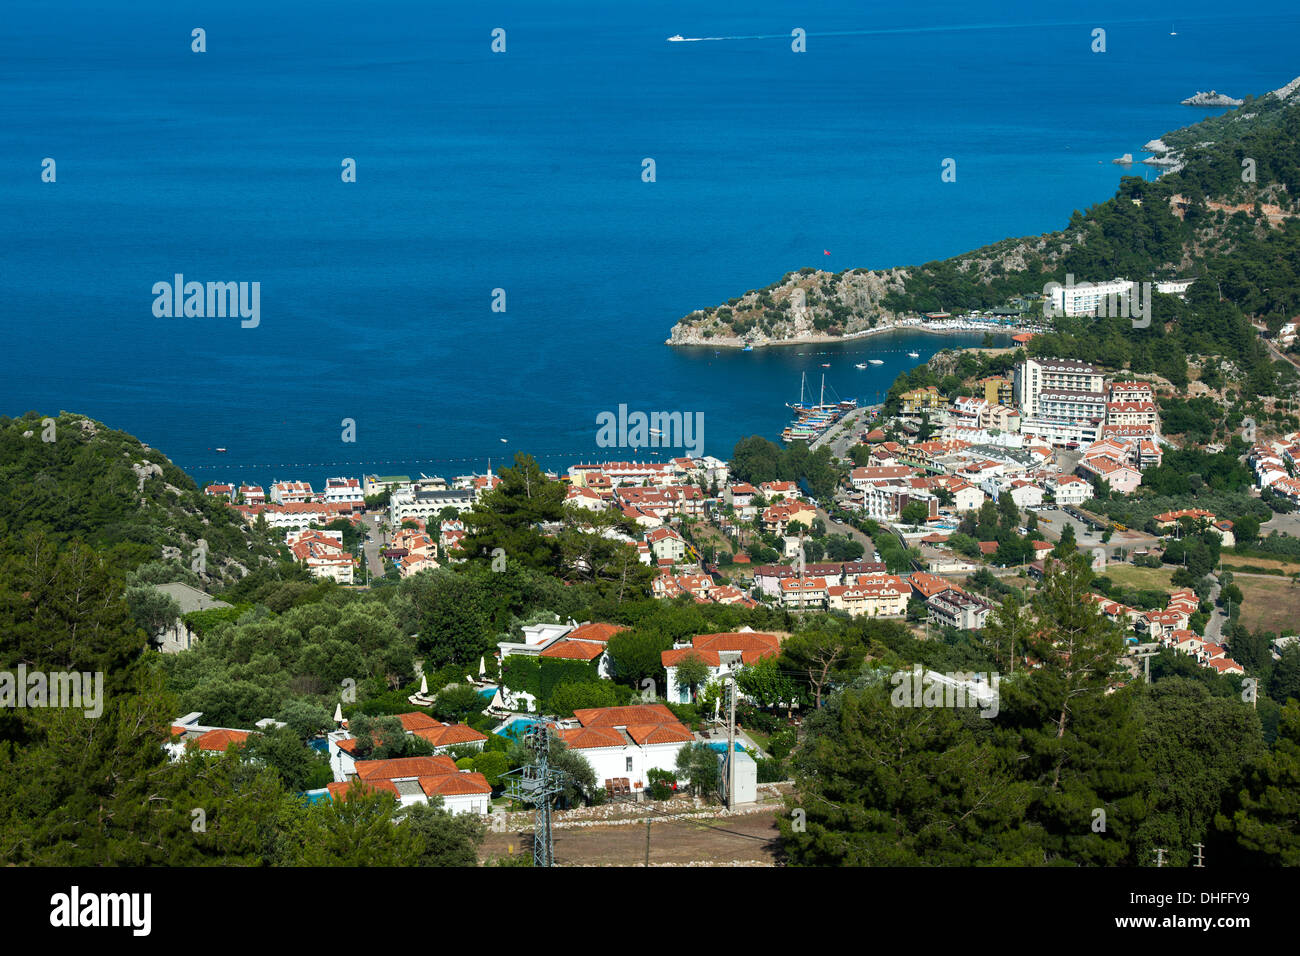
x: 852, y: 532
x: 376, y: 541
x: 1052, y: 521
x: 1214, y: 627
x: 1276, y: 352
x: 845, y: 431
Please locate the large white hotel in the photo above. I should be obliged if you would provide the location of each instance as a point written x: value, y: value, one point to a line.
x: 1088, y: 298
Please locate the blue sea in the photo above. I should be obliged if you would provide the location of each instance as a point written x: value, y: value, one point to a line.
x: 522, y: 171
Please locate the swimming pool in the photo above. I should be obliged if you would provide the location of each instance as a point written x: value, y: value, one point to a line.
x: 516, y: 729
x: 721, y: 746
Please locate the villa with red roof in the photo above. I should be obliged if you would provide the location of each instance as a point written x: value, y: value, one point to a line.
x: 414, y: 780
x: 343, y: 746
x: 720, y: 652
x: 623, y: 743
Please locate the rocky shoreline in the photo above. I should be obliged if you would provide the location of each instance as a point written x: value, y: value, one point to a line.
x: 1212, y: 98
x: 732, y: 342
x: 812, y: 306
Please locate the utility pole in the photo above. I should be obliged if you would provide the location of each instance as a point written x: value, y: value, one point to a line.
x: 536, y: 784
x: 731, y: 740
x: 647, y: 841
x: 1200, y: 856
x: 1160, y: 856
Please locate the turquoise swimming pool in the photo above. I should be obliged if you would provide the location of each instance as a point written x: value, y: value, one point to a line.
x: 516, y: 729
x: 721, y: 747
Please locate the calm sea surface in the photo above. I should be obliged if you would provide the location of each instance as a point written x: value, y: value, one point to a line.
x: 522, y: 171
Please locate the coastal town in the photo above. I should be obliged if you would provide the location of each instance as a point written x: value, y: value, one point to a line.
x: 1014, y: 582
x: 944, y: 504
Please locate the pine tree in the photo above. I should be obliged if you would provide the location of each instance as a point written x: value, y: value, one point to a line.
x: 880, y: 785
x: 1267, y: 826
x: 504, y: 524
x: 1073, y: 726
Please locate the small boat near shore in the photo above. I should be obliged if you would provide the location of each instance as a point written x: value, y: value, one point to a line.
x: 861, y: 365
x: 913, y: 354
x: 875, y: 361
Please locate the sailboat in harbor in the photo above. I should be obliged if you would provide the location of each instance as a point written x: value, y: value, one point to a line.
x: 811, y: 421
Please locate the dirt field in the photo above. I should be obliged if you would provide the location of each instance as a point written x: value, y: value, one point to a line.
x: 743, y: 840
x: 1270, y: 602
x: 1230, y: 562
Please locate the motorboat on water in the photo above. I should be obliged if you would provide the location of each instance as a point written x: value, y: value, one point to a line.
x: 676, y: 38
x: 876, y: 361
x: 861, y: 365
x: 913, y: 354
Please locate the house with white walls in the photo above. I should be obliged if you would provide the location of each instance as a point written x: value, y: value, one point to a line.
x: 722, y: 653
x: 623, y: 743
x: 414, y: 780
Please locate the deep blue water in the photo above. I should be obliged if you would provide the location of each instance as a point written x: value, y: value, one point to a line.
x: 522, y: 171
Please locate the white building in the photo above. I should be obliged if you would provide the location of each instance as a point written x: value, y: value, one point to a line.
x: 291, y: 492
x: 344, y: 490
x: 623, y: 743
x: 1085, y: 298
x: 722, y: 653
x: 413, y: 780
x: 1068, y: 489
x: 1033, y: 376
x: 425, y: 502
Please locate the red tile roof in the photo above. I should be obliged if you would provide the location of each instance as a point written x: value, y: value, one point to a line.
x: 402, y: 767
x: 455, y: 784
x: 625, y: 716
x: 659, y: 734
x: 417, y: 721
x: 574, y: 650
x: 445, y: 735
x: 586, y: 738
x: 219, y: 740
x: 595, y: 631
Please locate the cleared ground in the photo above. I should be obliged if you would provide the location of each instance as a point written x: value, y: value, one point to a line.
x: 744, y: 840
x: 1130, y: 576
x: 1269, y: 602
x: 1231, y: 562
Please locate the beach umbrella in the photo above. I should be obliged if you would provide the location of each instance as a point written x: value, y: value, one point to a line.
x: 482, y: 667
x: 424, y: 684
x: 338, y: 713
